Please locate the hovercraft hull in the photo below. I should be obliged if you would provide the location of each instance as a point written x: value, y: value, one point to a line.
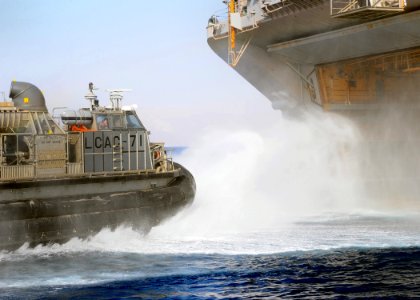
x: 33, y: 212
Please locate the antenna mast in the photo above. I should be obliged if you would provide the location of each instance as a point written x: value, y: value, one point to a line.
x: 91, y: 97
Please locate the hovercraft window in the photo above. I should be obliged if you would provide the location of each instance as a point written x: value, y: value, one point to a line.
x: 133, y: 121
x: 116, y: 121
x: 102, y: 122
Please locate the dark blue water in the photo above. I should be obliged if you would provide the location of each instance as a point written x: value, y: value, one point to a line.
x: 344, y: 273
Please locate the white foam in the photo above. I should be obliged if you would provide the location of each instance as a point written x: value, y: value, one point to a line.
x: 316, y: 233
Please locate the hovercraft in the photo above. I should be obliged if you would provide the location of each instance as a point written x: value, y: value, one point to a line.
x: 73, y: 173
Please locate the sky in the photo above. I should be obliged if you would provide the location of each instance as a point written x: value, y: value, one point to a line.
x: 156, y: 48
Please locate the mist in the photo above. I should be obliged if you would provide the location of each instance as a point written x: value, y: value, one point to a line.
x: 291, y: 169
x: 259, y: 178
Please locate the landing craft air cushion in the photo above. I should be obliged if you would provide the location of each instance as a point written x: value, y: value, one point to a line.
x: 73, y: 175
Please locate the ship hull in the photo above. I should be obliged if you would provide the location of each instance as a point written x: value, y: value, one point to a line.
x: 306, y: 61
x: 285, y: 53
x: 33, y: 213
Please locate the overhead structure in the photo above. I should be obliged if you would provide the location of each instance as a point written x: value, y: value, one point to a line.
x: 356, y: 58
x: 238, y: 22
x: 319, y: 43
x: 366, y: 9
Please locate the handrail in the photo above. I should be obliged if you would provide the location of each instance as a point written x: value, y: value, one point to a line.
x: 344, y: 6
x: 351, y: 5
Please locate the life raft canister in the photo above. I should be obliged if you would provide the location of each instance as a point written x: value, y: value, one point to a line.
x: 80, y: 128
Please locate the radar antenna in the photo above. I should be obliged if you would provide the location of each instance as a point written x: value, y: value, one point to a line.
x: 116, y: 96
x: 91, y: 97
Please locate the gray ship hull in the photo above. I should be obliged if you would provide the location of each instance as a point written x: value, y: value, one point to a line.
x: 287, y: 46
x: 364, y: 65
x: 32, y: 212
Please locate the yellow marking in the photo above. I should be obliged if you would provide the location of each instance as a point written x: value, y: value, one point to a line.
x: 26, y: 100
x: 232, y: 29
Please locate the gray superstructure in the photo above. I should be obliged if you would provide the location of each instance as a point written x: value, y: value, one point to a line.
x: 356, y: 58
x: 287, y: 48
x: 72, y: 173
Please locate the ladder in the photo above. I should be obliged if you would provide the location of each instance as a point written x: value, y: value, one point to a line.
x: 117, y: 156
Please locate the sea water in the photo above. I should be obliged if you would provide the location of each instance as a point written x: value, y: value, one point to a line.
x: 325, y: 257
x: 277, y: 215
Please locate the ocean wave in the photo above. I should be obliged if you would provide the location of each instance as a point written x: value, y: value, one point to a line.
x: 324, y: 232
x: 348, y: 272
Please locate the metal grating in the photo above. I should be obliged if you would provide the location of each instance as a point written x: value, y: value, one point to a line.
x: 17, y: 172
x: 75, y: 168
x: 366, y: 9
x: 288, y: 7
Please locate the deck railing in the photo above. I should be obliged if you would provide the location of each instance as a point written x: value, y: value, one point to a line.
x: 14, y: 172
x: 346, y: 7
x: 75, y: 168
